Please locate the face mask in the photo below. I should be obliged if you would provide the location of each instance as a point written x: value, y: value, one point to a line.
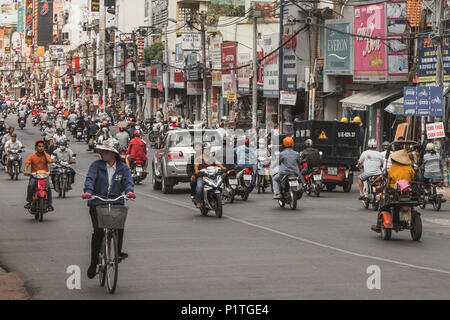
x: 108, y: 157
x: 63, y: 148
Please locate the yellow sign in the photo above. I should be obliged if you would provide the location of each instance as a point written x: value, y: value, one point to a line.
x: 231, y: 97
x: 41, y: 51
x: 7, y: 50
x: 323, y: 136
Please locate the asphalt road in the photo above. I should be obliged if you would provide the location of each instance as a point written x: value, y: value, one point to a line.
x: 256, y: 251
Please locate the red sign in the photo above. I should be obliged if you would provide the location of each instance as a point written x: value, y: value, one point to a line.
x: 229, y: 53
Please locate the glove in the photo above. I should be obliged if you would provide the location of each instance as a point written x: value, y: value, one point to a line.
x: 86, y: 195
x: 132, y: 195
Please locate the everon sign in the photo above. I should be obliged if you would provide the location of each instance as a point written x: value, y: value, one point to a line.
x: 338, y: 47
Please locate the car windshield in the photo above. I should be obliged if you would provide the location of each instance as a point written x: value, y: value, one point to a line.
x: 187, y: 138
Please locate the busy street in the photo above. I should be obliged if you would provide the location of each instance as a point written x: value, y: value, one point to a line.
x: 256, y: 251
x: 224, y: 150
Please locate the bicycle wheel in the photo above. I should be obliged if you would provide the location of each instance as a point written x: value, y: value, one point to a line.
x: 102, y: 263
x: 111, y: 261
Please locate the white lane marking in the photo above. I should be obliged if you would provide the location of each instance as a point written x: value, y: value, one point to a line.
x: 181, y: 204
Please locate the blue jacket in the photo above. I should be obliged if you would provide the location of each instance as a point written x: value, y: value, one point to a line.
x: 97, y: 182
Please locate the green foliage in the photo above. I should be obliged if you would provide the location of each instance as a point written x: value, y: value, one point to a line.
x: 154, y: 52
x: 216, y: 10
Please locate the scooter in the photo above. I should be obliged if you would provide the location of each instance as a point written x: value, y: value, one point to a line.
x: 212, y: 191
x: 313, y: 181
x: 433, y: 193
x: 137, y: 171
x: 291, y: 191
x: 14, y: 163
x: 263, y: 178
x: 62, y: 182
x: 373, y: 191
x: 22, y: 123
x: 241, y: 182
x: 39, y: 205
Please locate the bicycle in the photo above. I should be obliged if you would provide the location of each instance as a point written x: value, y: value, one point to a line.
x: 110, y: 218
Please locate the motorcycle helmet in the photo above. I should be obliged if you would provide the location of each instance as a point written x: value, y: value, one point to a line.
x: 308, y: 143
x: 430, y: 147
x: 385, y: 145
x: 372, y: 144
x: 13, y: 135
x: 49, y: 125
x: 288, y: 142
x: 137, y: 133
x: 38, y: 141
x: 121, y: 129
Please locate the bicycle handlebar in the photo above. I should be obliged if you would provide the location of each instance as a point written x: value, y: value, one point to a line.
x: 109, y: 200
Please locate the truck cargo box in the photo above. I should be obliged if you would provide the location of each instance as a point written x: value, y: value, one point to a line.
x: 338, y: 141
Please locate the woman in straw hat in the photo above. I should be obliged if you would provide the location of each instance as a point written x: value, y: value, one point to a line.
x: 401, y: 168
x: 107, y: 178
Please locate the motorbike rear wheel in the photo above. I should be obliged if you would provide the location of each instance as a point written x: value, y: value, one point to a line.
x: 347, y: 187
x: 437, y: 203
x: 317, y: 191
x: 281, y: 203
x: 41, y: 209
x: 293, y: 202
x: 416, y: 229
x: 245, y: 195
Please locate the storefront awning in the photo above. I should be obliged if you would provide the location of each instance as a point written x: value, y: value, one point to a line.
x: 395, y: 107
x: 362, y: 100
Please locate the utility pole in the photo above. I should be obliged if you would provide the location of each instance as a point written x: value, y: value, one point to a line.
x: 166, y: 62
x: 439, y: 14
x: 102, y: 38
x: 203, y: 39
x: 255, y: 70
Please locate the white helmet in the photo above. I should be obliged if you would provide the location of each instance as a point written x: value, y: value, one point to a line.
x: 372, y: 144
x: 430, y: 147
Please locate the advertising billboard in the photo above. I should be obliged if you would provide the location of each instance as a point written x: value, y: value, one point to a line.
x: 397, y: 44
x: 244, y: 73
x: 427, y: 58
x: 369, y: 46
x: 338, y: 47
x: 45, y: 23
x: 271, y: 66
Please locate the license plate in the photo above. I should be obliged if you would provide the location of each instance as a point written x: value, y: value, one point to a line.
x: 317, y: 177
x: 247, y: 177
x: 440, y: 190
x: 233, y: 181
x: 332, y: 171
x: 139, y: 169
x: 293, y: 183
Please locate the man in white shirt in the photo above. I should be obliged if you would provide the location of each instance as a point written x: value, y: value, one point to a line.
x: 12, y: 144
x: 372, y: 160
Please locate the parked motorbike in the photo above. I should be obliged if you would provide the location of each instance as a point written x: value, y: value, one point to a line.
x: 263, y: 178
x: 433, y: 193
x: 39, y: 205
x: 241, y: 182
x: 290, y: 191
x: 212, y: 191
x: 137, y: 171
x: 373, y: 191
x: 15, y: 161
x: 62, y: 178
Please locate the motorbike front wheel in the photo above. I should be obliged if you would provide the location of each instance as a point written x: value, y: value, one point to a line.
x: 437, y: 203
x: 219, y: 207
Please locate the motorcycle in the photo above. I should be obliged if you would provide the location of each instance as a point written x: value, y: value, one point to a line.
x: 73, y: 129
x: 313, y: 181
x: 91, y: 143
x: 35, y: 121
x: 14, y: 164
x: 433, y: 193
x: 79, y: 134
x: 123, y: 153
x: 263, y: 175
x: 373, y: 191
x: 22, y: 123
x: 39, y: 205
x: 212, y: 191
x: 241, y: 182
x: 62, y: 178
x: 290, y: 191
x: 4, y: 115
x: 137, y: 171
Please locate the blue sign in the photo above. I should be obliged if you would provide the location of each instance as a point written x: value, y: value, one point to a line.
x: 423, y: 101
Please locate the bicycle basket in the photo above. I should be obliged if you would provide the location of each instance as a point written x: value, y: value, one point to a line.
x: 111, y: 217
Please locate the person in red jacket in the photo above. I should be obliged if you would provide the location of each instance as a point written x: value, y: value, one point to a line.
x: 137, y: 150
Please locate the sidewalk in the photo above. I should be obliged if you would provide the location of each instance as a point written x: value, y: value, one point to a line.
x: 447, y: 192
x: 12, y: 287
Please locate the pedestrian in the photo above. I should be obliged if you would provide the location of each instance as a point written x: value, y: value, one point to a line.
x: 106, y: 178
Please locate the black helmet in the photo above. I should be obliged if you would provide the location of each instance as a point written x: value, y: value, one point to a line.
x: 13, y: 135
x: 385, y: 145
x: 49, y: 125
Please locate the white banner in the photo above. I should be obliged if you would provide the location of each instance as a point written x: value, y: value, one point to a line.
x: 215, y: 53
x: 243, y: 73
x: 194, y: 88
x: 288, y: 98
x: 191, y: 41
x: 271, y: 66
x: 435, y: 130
x: 227, y: 84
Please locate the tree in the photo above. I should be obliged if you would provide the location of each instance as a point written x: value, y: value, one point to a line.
x: 154, y: 52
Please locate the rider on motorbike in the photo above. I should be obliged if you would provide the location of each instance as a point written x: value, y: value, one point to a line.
x: 246, y: 157
x: 289, y: 163
x: 12, y: 144
x: 137, y: 150
x: 386, y: 166
x: 202, y: 161
x: 123, y: 137
x: 312, y: 158
x: 64, y: 154
x: 372, y: 160
x: 2, y: 126
x: 22, y: 114
x: 39, y: 162
x: 108, y: 177
x: 431, y: 163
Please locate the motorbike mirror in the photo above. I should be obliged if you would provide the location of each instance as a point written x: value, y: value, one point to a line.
x: 74, y: 155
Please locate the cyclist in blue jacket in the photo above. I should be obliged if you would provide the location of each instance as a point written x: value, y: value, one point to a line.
x: 106, y: 178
